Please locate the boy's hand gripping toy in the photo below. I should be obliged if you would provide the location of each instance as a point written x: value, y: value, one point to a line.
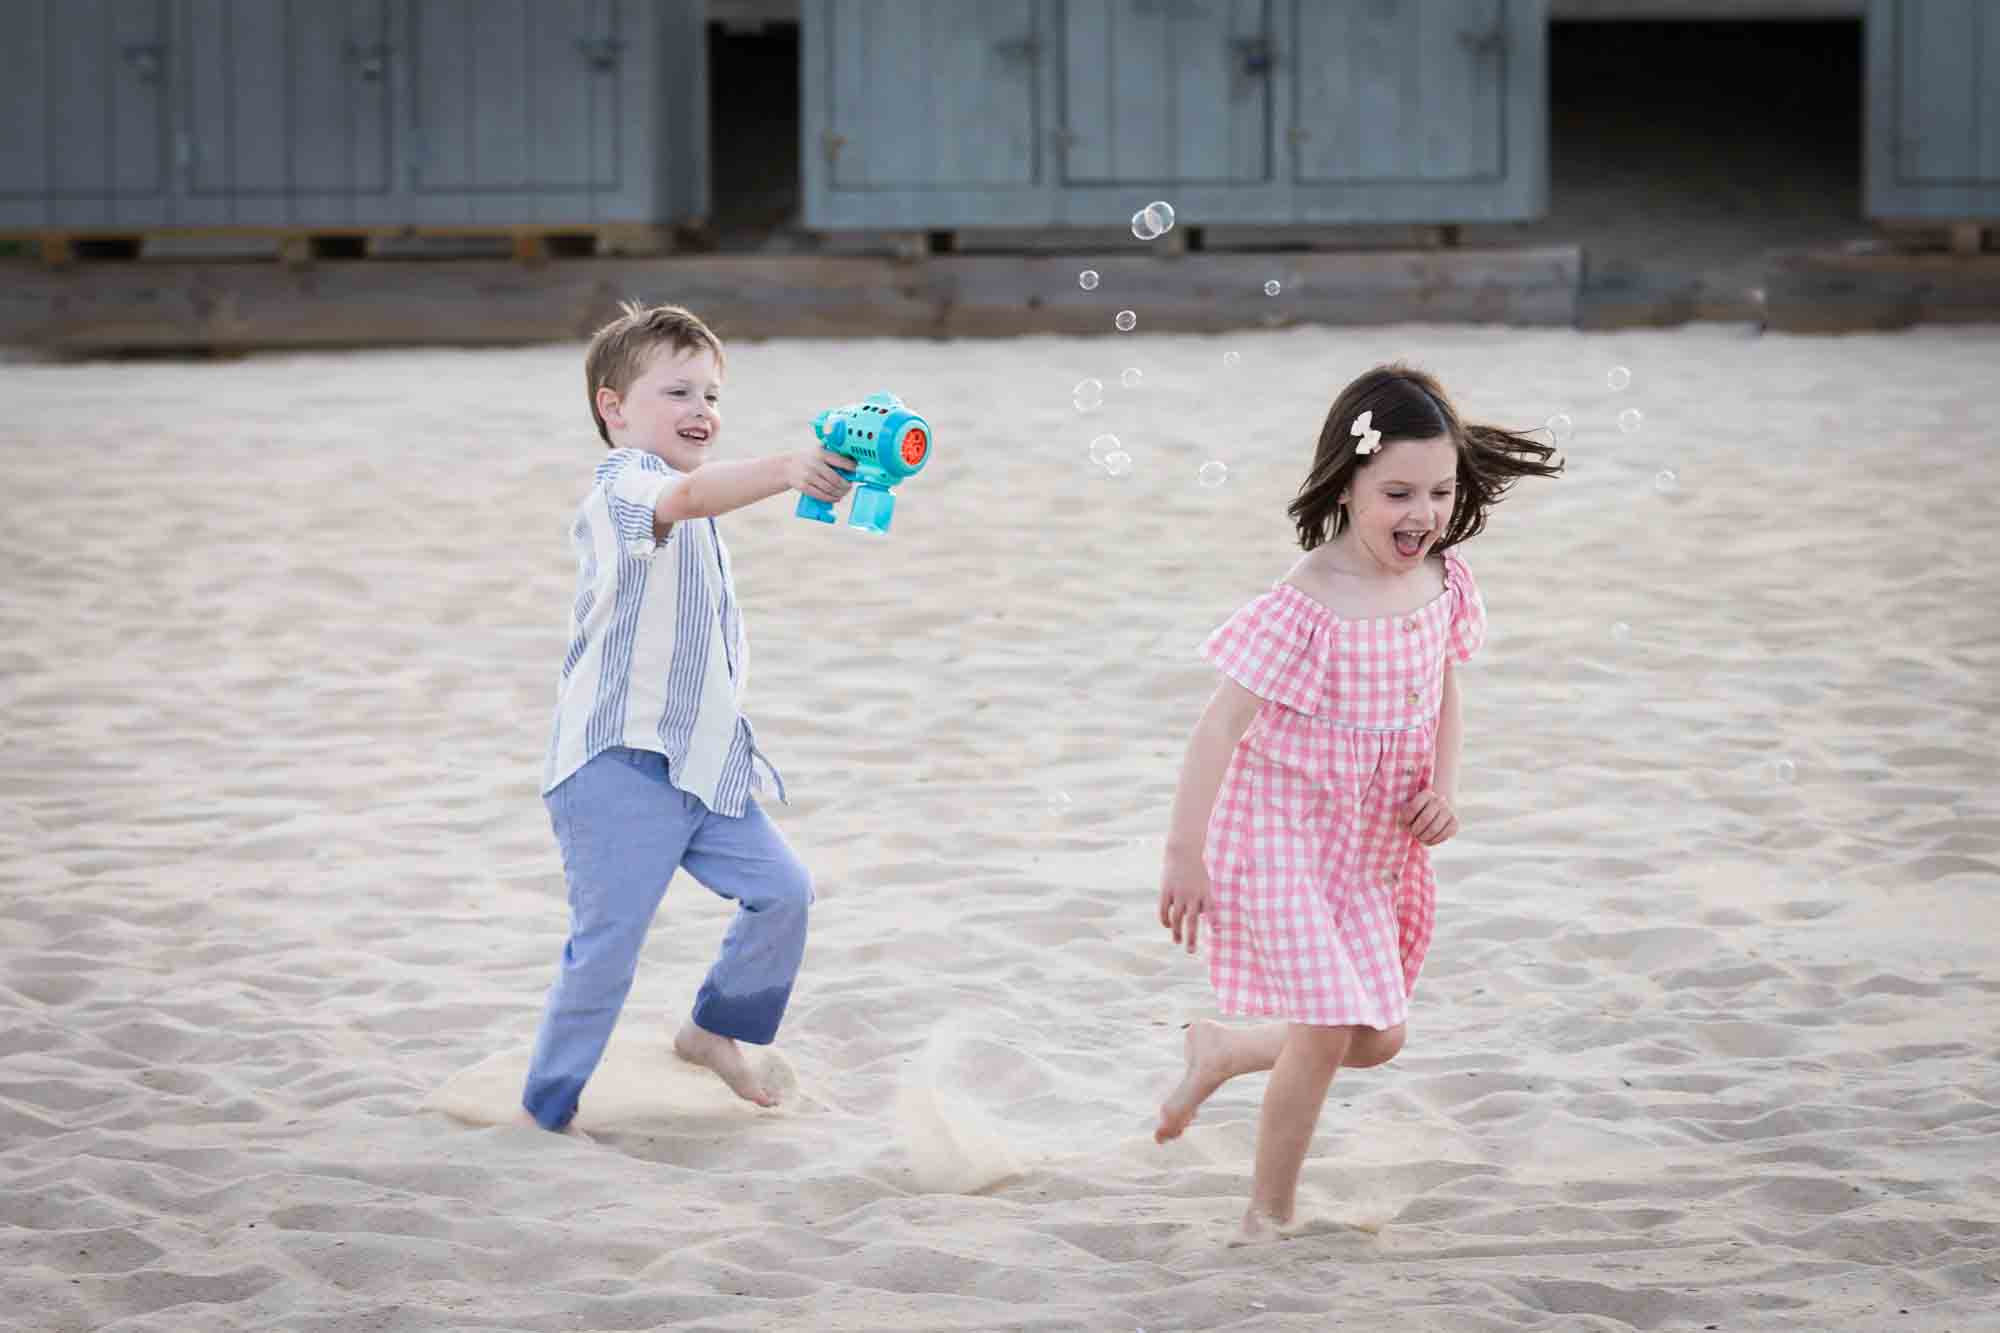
x: 887, y: 442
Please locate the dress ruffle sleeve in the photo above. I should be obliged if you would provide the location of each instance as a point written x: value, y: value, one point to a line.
x: 1468, y: 616
x: 1269, y: 648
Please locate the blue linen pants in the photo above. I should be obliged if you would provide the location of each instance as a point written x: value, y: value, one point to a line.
x: 624, y: 829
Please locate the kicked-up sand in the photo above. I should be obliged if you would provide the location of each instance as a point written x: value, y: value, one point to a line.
x: 1709, y: 1037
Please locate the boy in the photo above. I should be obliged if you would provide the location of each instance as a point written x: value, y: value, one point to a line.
x: 651, y: 766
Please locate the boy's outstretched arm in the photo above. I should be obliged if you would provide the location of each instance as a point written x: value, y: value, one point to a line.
x: 717, y: 488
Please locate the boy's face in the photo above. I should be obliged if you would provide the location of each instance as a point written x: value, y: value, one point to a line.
x: 674, y: 409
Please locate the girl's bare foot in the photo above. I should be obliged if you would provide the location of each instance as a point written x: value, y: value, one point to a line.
x: 1207, y: 1070
x: 1259, y: 1228
x: 699, y: 1046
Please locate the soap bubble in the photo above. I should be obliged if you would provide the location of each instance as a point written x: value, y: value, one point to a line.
x: 1665, y: 481
x: 1125, y: 321
x: 1087, y: 279
x: 1153, y: 221
x: 1059, y: 802
x: 1232, y: 359
x: 1785, y: 770
x: 1272, y: 288
x: 1130, y: 377
x: 1089, y: 395
x: 1619, y: 377
x: 1213, y: 473
x: 1118, y: 462
x: 1621, y: 632
x: 1631, y: 419
x: 1561, y: 427
x: 1103, y: 447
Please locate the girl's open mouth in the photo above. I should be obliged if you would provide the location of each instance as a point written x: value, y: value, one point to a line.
x: 1409, y: 544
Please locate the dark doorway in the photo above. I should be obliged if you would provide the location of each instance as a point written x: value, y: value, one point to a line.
x: 1682, y: 153
x: 753, y: 98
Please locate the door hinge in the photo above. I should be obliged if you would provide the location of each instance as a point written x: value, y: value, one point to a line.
x: 369, y: 62
x: 601, y: 53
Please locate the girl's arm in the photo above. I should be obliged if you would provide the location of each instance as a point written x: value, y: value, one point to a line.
x: 1184, y: 877
x: 1222, y: 724
x: 1450, y: 739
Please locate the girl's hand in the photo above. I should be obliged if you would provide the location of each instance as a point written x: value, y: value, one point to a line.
x: 1430, y: 818
x: 818, y: 473
x: 1183, y: 897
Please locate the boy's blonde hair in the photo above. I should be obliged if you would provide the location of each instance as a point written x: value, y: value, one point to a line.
x: 621, y: 350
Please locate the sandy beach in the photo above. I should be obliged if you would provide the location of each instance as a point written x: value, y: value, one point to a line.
x: 1709, y: 1037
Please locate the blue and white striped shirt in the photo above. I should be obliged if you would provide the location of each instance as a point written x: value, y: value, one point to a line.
x: 657, y: 655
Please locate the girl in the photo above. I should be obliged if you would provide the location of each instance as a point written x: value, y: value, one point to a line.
x: 1325, y: 765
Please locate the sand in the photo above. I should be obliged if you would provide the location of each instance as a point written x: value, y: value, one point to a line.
x: 1708, y: 1036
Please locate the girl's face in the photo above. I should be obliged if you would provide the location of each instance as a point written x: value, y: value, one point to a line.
x: 1399, y: 501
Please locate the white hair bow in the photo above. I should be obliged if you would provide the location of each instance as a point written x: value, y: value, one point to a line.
x: 1371, y: 439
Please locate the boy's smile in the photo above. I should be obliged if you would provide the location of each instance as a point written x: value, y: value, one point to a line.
x: 673, y: 410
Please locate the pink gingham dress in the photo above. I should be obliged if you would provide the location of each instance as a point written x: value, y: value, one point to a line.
x: 1321, y: 902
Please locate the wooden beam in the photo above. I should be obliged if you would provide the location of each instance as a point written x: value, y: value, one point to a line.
x: 228, y: 304
x: 634, y: 238
x: 1833, y: 291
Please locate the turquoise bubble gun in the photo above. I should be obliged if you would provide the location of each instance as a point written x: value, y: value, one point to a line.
x: 887, y: 442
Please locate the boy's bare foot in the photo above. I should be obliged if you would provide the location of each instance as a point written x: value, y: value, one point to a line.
x: 1206, y: 1071
x: 699, y: 1046
x: 526, y: 1121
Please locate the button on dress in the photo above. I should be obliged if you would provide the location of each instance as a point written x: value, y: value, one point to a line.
x: 1321, y: 902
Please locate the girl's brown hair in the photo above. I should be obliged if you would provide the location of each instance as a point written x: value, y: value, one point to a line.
x: 623, y: 349
x: 1407, y: 404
